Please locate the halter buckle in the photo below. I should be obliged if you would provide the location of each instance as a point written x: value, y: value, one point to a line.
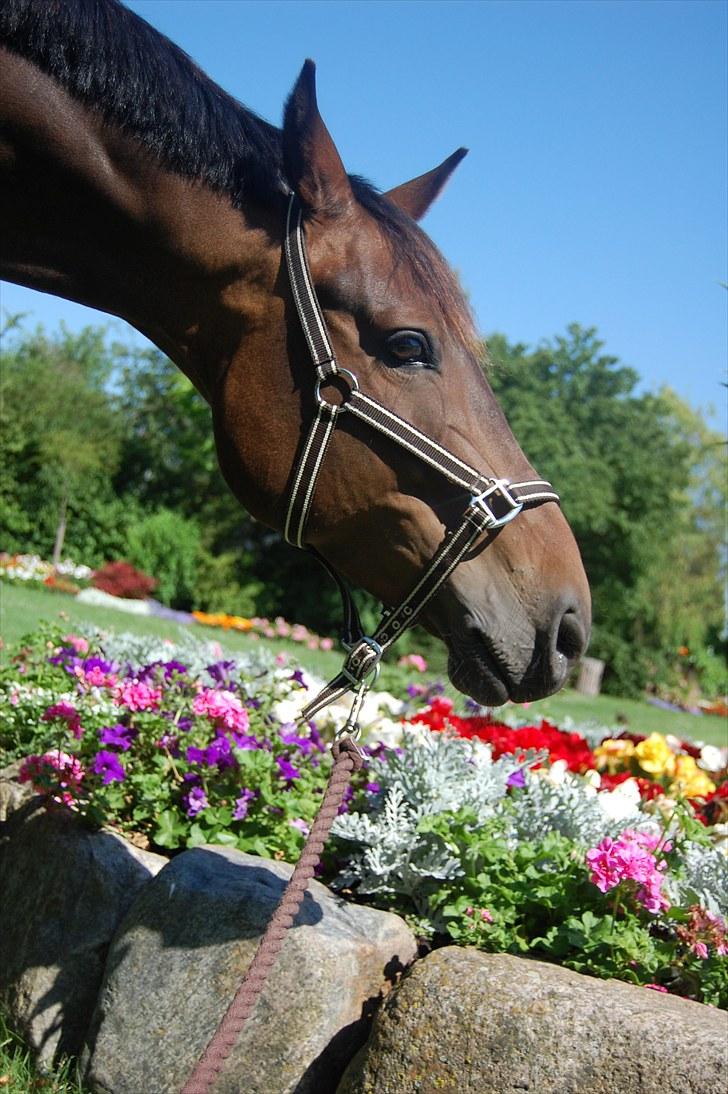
x: 501, y: 507
x: 363, y: 660
x: 330, y: 380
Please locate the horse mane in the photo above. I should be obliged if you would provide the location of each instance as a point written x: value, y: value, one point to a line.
x: 114, y: 62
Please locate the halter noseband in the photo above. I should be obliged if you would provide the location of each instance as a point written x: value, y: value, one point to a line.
x: 492, y: 502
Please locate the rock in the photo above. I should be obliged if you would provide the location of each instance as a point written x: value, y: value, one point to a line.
x: 180, y: 954
x: 13, y: 794
x: 475, y: 1023
x: 64, y: 891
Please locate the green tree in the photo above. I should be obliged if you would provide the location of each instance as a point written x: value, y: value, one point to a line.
x: 629, y: 468
x: 61, y: 436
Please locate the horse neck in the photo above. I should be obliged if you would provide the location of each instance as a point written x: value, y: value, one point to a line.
x: 87, y: 214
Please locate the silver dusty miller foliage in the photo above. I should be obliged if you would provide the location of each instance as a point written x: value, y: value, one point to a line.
x: 435, y: 773
x: 704, y: 878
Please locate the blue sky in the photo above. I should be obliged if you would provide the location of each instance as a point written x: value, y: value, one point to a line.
x: 595, y: 189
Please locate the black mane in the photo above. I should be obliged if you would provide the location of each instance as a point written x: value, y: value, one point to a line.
x: 114, y: 62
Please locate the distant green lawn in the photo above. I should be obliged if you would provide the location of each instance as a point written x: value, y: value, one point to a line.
x: 22, y: 609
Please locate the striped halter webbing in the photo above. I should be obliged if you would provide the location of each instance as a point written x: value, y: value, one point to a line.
x: 492, y: 502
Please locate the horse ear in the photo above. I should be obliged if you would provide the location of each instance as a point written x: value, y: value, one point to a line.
x: 416, y: 196
x: 312, y: 164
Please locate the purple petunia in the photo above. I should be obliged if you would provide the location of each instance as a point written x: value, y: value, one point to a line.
x: 290, y: 737
x: 245, y: 741
x: 109, y: 767
x: 286, y: 770
x: 194, y: 801
x: 117, y: 736
x: 517, y: 778
x: 221, y: 671
x: 241, y: 803
x: 169, y: 742
x: 150, y: 672
x: 348, y: 795
x: 219, y: 752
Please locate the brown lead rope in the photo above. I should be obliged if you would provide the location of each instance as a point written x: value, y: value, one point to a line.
x: 347, y: 760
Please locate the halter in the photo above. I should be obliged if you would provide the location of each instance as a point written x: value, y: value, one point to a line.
x: 492, y: 502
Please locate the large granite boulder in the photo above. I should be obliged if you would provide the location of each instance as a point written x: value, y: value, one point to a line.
x: 180, y: 954
x: 466, y: 1022
x: 63, y: 892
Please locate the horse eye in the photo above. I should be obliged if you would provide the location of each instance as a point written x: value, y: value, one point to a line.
x: 409, y: 347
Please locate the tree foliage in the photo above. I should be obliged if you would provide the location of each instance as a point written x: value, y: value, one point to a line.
x: 60, y: 436
x: 642, y: 480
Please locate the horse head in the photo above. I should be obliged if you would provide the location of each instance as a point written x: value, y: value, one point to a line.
x: 515, y: 614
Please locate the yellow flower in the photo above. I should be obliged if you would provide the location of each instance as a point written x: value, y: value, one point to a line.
x: 690, y: 781
x: 614, y: 755
x: 655, y: 756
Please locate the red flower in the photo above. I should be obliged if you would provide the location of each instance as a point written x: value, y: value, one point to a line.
x: 713, y: 809
x: 504, y: 740
x: 648, y: 789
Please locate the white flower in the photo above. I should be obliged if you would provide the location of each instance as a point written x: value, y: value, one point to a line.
x: 288, y: 710
x: 713, y: 758
x: 622, y: 802
x: 386, y: 731
x: 719, y: 836
x: 556, y: 773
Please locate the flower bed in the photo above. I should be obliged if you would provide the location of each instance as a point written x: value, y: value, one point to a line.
x: 605, y: 854
x: 66, y: 577
x: 260, y: 627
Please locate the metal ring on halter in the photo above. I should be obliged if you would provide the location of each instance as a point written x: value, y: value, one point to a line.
x: 499, y: 487
x: 330, y: 378
x: 369, y: 680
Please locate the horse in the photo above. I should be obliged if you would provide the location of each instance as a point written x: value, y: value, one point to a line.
x: 132, y: 183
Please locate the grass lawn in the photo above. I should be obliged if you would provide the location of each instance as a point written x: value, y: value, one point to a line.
x: 22, y: 609
x: 19, y: 1075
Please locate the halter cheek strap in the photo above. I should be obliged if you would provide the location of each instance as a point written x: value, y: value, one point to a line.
x: 492, y: 502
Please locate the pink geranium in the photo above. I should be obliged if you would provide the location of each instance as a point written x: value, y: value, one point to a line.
x: 223, y: 708
x: 95, y: 677
x: 413, y: 661
x: 55, y: 773
x: 630, y: 858
x: 137, y: 695
x: 65, y: 712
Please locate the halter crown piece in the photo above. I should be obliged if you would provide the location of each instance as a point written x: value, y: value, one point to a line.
x: 491, y: 502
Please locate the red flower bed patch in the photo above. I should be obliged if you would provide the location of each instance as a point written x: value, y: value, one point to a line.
x: 571, y: 747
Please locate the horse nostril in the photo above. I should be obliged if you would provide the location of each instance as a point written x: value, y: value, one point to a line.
x: 570, y: 636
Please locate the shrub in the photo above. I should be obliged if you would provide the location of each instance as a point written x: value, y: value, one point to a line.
x: 122, y: 579
x: 218, y: 588
x: 167, y: 545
